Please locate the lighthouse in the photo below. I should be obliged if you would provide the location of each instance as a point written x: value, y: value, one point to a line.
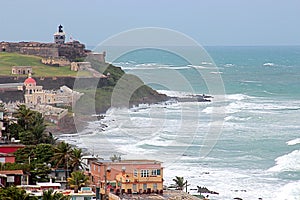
x: 60, y: 36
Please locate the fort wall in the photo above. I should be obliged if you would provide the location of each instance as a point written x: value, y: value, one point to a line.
x: 70, y: 50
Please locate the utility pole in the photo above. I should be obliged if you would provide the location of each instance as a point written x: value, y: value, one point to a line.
x: 186, y: 184
x: 105, y: 183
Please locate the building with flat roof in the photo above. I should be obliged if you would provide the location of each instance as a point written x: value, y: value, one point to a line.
x: 127, y: 176
x: 21, y: 70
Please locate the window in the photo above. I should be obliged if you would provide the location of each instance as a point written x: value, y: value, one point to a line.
x: 155, y: 172
x: 154, y: 186
x: 134, y: 187
x: 145, y: 186
x: 144, y: 173
x: 135, y: 173
x: 98, y: 169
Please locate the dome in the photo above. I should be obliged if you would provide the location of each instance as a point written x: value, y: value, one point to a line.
x: 29, y: 81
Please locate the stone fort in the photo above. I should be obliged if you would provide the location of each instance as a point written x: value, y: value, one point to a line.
x: 69, y: 50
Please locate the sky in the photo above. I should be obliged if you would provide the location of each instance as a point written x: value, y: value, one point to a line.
x: 209, y: 22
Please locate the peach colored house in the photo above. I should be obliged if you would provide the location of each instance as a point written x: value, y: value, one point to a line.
x: 127, y: 176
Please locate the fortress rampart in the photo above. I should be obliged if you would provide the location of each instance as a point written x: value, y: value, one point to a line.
x: 69, y: 50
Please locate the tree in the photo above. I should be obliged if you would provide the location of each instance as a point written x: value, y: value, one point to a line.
x: 30, y: 127
x: 77, y: 180
x: 62, y: 153
x: 38, y: 159
x: 180, y: 183
x: 115, y: 158
x: 39, y: 172
x: 12, y: 193
x: 76, y: 159
x: 50, y: 195
x: 24, y: 115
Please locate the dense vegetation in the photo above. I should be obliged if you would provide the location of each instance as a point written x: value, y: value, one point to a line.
x: 42, y: 152
x: 121, y: 90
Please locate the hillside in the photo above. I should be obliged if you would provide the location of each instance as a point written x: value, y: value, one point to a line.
x: 7, y: 60
x: 130, y: 89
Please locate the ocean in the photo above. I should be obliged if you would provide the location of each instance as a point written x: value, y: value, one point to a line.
x: 244, y: 143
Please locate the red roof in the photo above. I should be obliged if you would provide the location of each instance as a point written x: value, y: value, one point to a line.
x: 29, y: 81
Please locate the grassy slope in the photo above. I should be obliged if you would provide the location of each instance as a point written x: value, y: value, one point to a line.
x: 7, y: 60
x: 128, y: 86
x: 127, y: 90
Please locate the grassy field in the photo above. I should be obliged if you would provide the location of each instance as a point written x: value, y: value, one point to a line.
x: 7, y: 60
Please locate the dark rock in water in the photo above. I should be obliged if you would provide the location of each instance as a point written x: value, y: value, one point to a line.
x: 205, y: 190
x: 194, y: 98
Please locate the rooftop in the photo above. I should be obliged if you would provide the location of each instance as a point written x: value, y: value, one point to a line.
x: 15, y: 172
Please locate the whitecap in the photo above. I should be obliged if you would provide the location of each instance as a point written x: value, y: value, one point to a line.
x: 288, y: 162
x: 229, y: 65
x: 216, y: 72
x: 174, y: 68
x: 199, y: 67
x: 269, y: 64
x: 238, y: 97
x: 232, y: 118
x: 290, y: 191
x: 293, y: 142
x: 206, y: 63
x: 172, y: 93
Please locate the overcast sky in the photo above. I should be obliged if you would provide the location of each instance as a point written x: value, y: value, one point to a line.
x: 209, y: 22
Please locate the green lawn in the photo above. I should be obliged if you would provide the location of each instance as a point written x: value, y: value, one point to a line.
x: 7, y: 60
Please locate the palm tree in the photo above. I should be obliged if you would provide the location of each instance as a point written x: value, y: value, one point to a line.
x: 115, y: 158
x: 10, y: 193
x: 62, y: 154
x: 77, y: 180
x: 76, y: 159
x: 24, y: 115
x: 49, y: 195
x: 179, y: 182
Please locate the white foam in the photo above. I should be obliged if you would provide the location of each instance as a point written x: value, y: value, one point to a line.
x: 288, y: 162
x: 238, y: 97
x: 206, y: 63
x: 216, y: 72
x: 174, y: 93
x: 229, y: 183
x: 269, y: 64
x: 199, y: 67
x: 233, y: 118
x: 290, y: 191
x: 176, y: 68
x: 229, y: 65
x: 293, y: 142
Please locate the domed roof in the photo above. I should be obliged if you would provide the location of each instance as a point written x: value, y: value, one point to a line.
x: 29, y: 81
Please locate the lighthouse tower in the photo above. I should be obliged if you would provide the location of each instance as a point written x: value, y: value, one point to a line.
x: 60, y: 36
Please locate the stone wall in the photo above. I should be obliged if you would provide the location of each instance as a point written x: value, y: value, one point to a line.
x: 56, y: 61
x: 21, y: 70
x: 78, y: 66
x: 31, y: 48
x: 97, y: 56
x: 70, y: 50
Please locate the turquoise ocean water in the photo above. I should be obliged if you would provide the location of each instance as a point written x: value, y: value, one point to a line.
x: 257, y: 151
